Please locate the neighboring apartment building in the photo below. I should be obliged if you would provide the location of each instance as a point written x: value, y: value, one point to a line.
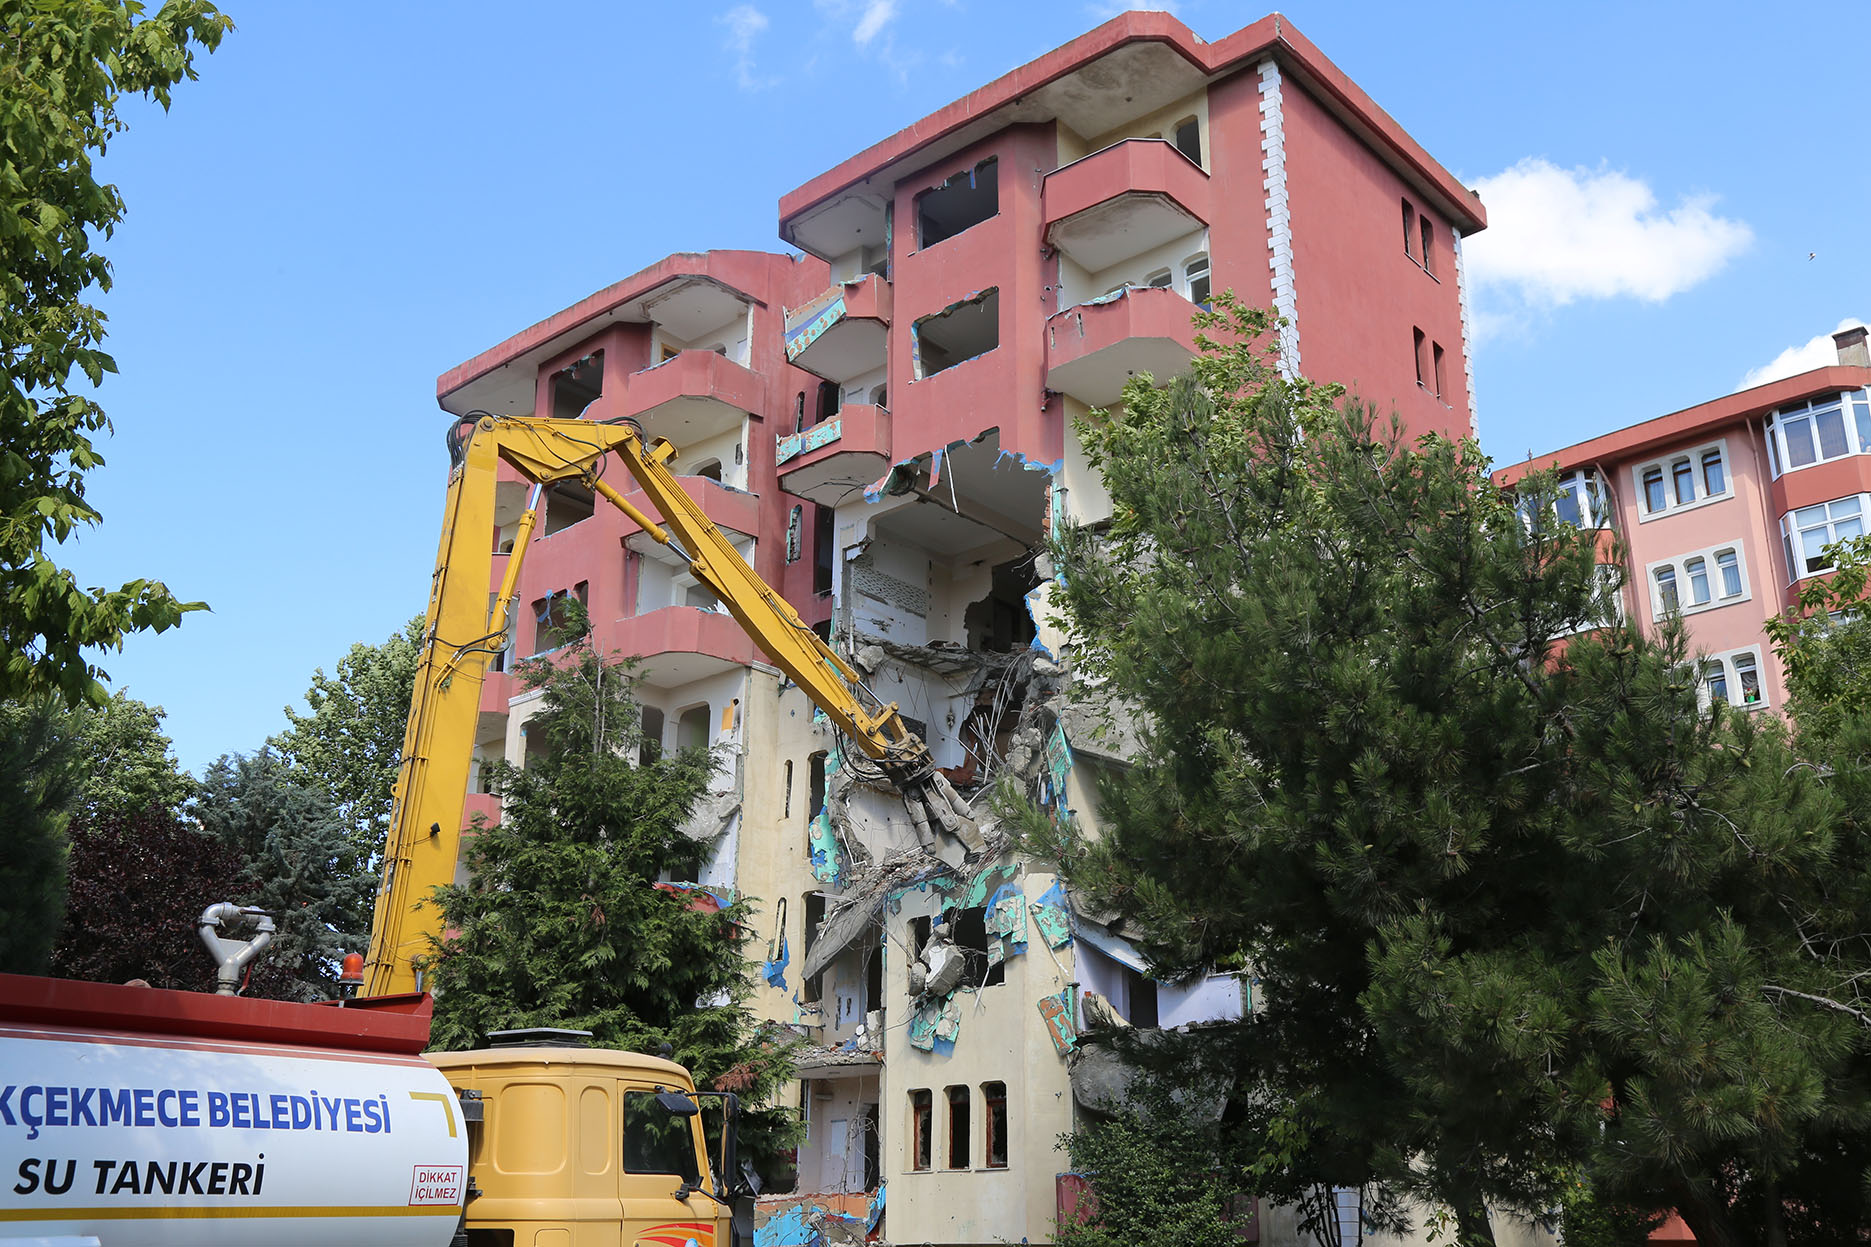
x: 1723, y: 509
x: 884, y: 426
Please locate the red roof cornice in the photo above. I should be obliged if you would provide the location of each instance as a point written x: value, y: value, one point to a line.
x: 1273, y: 33
x: 1691, y: 422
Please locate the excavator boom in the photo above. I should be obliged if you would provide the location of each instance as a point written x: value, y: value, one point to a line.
x: 463, y: 633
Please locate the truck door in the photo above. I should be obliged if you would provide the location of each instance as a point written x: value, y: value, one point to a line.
x: 662, y: 1151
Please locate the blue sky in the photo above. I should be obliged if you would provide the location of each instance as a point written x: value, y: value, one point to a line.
x: 355, y: 198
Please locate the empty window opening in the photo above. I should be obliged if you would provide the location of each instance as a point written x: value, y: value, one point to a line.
x: 813, y: 988
x: 880, y: 397
x: 1409, y: 230
x: 958, y: 333
x: 567, y: 503
x: 1419, y: 342
x: 701, y: 597
x: 786, y: 790
x: 962, y: 202
x: 873, y: 1153
x: 1188, y: 138
x: 575, y: 388
x: 967, y: 929
x: 958, y: 1127
x: 1429, y: 244
x: 829, y: 401
x: 823, y: 630
x: 875, y: 261
x: 692, y: 728
x: 921, y: 1128
x: 815, y: 784
x: 650, y: 748
x: 1142, y: 992
x: 554, y: 621
x: 1436, y: 353
x: 708, y: 469
x: 1195, y: 274
x: 994, y: 1124
x: 824, y: 549
x: 1159, y: 280
x: 795, y: 520
x: 799, y: 412
x: 1000, y: 622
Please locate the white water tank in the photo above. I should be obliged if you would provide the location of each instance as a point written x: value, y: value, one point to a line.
x: 156, y: 1130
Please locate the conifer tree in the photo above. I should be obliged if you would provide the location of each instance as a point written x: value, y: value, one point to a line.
x: 562, y: 923
x: 1523, y: 910
x: 298, y: 864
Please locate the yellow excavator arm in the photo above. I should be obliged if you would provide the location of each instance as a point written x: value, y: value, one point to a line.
x: 464, y: 631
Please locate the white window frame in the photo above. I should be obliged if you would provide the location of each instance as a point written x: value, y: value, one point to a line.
x: 1732, y: 675
x: 1854, y: 408
x: 1679, y: 564
x: 1666, y: 464
x: 1582, y: 483
x: 1796, y: 559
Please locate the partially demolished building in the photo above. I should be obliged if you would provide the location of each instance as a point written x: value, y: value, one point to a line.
x: 883, y: 424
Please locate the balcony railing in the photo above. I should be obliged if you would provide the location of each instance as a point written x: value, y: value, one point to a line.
x: 1094, y: 348
x: 828, y: 462
x: 1118, y: 203
x: 841, y: 334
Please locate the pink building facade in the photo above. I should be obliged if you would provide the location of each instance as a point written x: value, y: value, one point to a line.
x: 1724, y: 509
x: 884, y: 426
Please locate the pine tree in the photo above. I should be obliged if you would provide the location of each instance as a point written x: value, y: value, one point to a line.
x: 1520, y: 907
x: 563, y: 924
x: 36, y: 782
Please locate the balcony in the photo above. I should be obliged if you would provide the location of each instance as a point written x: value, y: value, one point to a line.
x: 482, y: 803
x: 1116, y: 204
x: 734, y: 511
x: 828, y: 461
x: 678, y: 645
x: 696, y: 395
x: 1092, y: 349
x: 841, y: 333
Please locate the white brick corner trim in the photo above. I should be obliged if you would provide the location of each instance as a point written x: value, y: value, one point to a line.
x: 1468, y: 337
x: 1279, y: 218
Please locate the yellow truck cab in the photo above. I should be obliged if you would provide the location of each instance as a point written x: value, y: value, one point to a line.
x: 588, y: 1147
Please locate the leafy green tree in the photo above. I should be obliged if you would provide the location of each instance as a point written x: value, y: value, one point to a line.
x: 1824, y: 643
x: 1520, y: 906
x: 36, y: 782
x: 124, y: 761
x: 298, y: 864
x: 139, y: 881
x: 563, y: 923
x: 64, y: 67
x: 349, y: 743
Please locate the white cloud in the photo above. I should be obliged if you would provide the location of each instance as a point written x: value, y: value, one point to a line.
x: 1815, y: 352
x: 877, y: 14
x: 1557, y: 235
x: 745, y: 24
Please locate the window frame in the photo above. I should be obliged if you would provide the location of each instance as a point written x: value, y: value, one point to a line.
x: 1797, y: 569
x: 1679, y: 568
x: 1671, y: 471
x: 1732, y: 664
x: 1854, y: 413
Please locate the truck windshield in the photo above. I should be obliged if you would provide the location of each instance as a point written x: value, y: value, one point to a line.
x: 655, y: 1140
